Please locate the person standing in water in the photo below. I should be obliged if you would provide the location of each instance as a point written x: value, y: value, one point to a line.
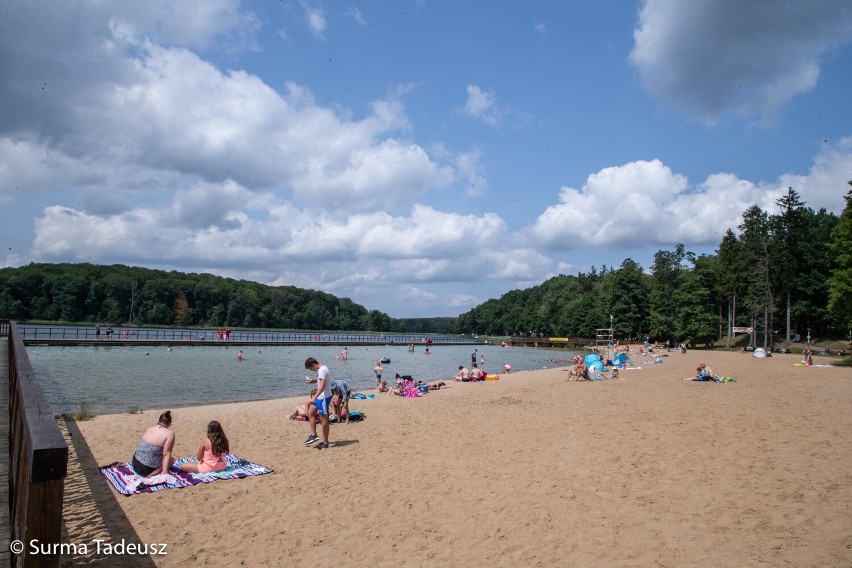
x: 378, y: 370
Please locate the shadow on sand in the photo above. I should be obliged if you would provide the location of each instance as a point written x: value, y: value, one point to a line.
x: 91, y: 511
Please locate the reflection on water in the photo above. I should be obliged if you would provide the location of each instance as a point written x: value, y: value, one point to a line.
x: 117, y: 377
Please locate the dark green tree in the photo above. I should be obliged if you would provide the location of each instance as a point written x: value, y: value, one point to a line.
x: 732, y: 273
x: 668, y: 270
x: 625, y: 293
x: 696, y: 320
x: 758, y: 298
x: 789, y: 234
x: 840, y: 282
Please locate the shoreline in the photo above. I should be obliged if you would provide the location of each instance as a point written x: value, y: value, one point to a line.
x: 527, y: 470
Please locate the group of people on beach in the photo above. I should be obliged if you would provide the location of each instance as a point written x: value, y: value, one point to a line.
x: 329, y: 398
x: 153, y: 454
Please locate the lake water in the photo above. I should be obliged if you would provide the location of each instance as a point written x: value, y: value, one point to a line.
x: 116, y: 378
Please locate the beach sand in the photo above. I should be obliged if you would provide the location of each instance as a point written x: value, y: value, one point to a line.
x: 647, y: 470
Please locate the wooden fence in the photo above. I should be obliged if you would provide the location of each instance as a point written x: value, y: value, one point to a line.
x: 38, y: 460
x: 81, y: 335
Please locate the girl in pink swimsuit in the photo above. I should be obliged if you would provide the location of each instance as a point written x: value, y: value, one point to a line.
x: 211, y: 453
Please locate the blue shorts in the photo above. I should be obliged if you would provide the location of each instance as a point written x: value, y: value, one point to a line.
x: 322, y: 406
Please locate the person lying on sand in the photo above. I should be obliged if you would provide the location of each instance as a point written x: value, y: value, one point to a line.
x: 437, y: 386
x: 301, y: 410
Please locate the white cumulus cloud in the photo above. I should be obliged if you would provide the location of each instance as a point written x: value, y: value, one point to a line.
x: 482, y: 105
x: 711, y: 57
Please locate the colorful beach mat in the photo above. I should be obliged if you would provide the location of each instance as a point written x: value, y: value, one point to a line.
x: 124, y: 480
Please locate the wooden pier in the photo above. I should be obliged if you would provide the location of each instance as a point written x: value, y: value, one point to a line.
x: 573, y: 343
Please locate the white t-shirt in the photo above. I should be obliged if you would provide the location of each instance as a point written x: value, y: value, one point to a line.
x: 324, y: 373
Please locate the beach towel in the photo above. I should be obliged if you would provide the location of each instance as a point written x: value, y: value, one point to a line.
x: 124, y: 479
x: 411, y: 392
x: 360, y: 396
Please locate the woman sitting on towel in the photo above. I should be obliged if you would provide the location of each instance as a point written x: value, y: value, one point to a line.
x: 153, y: 455
x: 211, y: 453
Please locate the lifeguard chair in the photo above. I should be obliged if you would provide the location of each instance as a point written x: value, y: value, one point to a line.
x: 604, y: 343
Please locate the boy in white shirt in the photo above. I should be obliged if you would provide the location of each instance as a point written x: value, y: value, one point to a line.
x: 319, y: 403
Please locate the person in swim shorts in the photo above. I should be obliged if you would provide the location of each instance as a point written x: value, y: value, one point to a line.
x: 320, y: 403
x: 378, y: 370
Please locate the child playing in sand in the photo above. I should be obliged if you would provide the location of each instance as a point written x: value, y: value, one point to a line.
x: 383, y: 387
x: 211, y: 453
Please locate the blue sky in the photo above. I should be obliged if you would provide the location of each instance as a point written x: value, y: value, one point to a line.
x: 419, y: 157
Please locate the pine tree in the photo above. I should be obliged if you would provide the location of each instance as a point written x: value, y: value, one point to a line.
x: 789, y: 233
x: 840, y: 282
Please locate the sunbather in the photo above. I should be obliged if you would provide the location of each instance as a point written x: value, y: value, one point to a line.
x: 707, y: 370
x: 578, y: 372
x: 700, y: 375
x: 462, y: 375
x: 301, y: 410
x: 211, y: 454
x: 153, y: 455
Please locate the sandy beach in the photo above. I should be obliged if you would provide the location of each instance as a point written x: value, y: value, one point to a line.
x: 531, y: 470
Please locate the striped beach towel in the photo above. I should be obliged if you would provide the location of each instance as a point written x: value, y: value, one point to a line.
x: 124, y: 480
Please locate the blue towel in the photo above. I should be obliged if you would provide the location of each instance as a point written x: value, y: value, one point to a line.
x: 360, y: 396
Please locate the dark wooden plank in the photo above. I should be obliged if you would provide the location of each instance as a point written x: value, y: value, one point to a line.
x: 5, y: 522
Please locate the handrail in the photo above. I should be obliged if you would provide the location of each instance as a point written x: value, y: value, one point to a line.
x: 86, y: 333
x: 38, y: 461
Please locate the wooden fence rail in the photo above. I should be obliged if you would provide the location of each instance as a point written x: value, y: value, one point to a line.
x: 38, y: 461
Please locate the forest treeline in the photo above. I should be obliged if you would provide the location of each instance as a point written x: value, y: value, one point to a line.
x: 785, y: 273
x: 118, y: 294
x: 781, y: 274
x: 142, y: 296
